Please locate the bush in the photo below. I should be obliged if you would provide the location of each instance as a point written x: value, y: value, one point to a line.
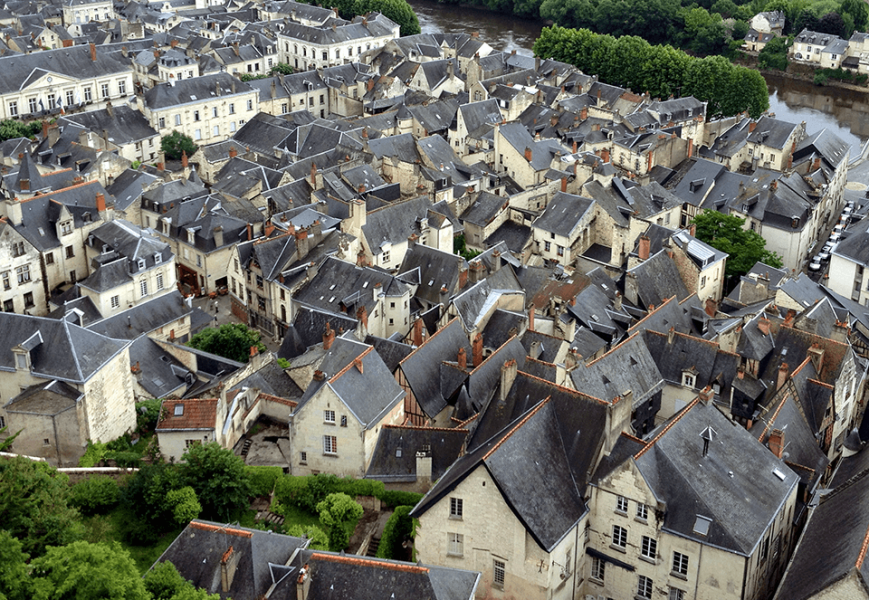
x: 262, y: 479
x: 176, y: 143
x: 183, y: 504
x: 339, y: 512
x: 148, y: 414
x: 307, y: 491
x: 318, y: 537
x: 398, y: 528
x: 96, y: 495
x: 93, y: 455
x: 397, y: 498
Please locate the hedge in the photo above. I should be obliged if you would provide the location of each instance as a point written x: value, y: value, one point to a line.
x: 96, y: 495
x: 306, y: 492
x: 397, y: 529
x: 262, y: 479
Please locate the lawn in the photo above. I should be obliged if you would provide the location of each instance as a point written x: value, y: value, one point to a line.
x: 105, y: 528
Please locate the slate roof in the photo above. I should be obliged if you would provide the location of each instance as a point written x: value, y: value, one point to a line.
x: 123, y: 126
x: 394, y: 458
x: 195, y: 414
x: 74, y: 62
x: 390, y: 351
x: 563, y: 214
x: 528, y: 463
x: 628, y: 367
x: 47, y: 398
x: 198, y: 89
x: 435, y: 269
x: 736, y: 485
x: 658, y: 279
x: 307, y: 329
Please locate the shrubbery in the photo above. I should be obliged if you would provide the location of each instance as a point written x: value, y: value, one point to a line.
x: 262, y: 479
x: 96, y: 495
x: 306, y: 492
x: 398, y: 528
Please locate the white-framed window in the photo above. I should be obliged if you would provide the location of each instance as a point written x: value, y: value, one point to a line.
x: 214, y: 111
x: 303, y: 458
x: 676, y: 594
x: 250, y: 105
x: 621, y: 504
x: 143, y: 288
x: 216, y: 130
x: 598, y: 569
x: 455, y: 544
x: 88, y: 95
x: 66, y: 228
x: 13, y: 109
x: 620, y: 536
x: 161, y: 122
x: 23, y: 273
x: 232, y: 109
x: 104, y: 90
x: 122, y: 86
x: 159, y: 281
x: 232, y: 126
x: 32, y: 105
x: 330, y: 444
x: 456, y: 507
x: 688, y: 379
x: 197, y: 134
x: 499, y: 573
x: 178, y: 119
x: 680, y: 563
x: 195, y: 115
x: 642, y: 511
x: 70, y: 97
x: 116, y: 301
x: 644, y: 586
x: 329, y: 416
x: 649, y: 547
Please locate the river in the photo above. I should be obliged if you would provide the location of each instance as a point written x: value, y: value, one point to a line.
x: 845, y: 112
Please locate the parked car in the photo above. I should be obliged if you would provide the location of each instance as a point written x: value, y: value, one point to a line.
x: 824, y: 254
x: 815, y: 265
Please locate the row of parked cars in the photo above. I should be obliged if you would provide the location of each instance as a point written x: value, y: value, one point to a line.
x: 834, y: 239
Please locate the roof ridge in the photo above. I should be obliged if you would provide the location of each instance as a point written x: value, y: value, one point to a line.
x: 61, y: 190
x: 802, y: 364
x: 770, y: 422
x: 367, y: 562
x: 492, y: 355
x: 222, y: 529
x: 524, y: 420
x: 423, y: 428
x: 653, y: 311
x: 351, y: 363
x: 565, y: 389
x: 667, y: 427
x: 821, y: 383
x: 428, y: 339
x: 619, y: 345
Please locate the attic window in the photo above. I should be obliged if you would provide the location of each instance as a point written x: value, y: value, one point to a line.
x: 179, y: 410
x: 778, y: 473
x: 398, y: 453
x: 365, y: 285
x: 141, y: 263
x: 701, y: 525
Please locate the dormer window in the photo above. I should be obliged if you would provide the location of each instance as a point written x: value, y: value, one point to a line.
x: 158, y: 258
x: 141, y: 263
x: 191, y: 236
x: 689, y: 378
x: 66, y: 228
x: 21, y: 361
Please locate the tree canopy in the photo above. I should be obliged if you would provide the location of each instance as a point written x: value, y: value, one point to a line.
x: 727, y: 233
x: 219, y: 479
x: 176, y: 143
x: 11, y: 129
x: 337, y: 511
x: 659, y: 70
x: 230, y: 340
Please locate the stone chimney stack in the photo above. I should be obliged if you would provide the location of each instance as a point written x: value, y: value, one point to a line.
x: 508, y: 376
x: 783, y: 373
x: 477, y: 350
x: 644, y: 247
x: 328, y: 337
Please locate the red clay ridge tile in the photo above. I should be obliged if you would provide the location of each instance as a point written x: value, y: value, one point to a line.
x: 216, y: 528
x: 667, y: 427
x: 518, y: 425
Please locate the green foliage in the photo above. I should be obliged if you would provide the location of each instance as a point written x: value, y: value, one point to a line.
x: 774, y: 55
x: 262, y: 479
x: 461, y: 248
x: 230, y: 340
x: 34, y: 505
x: 398, y: 528
x: 183, y: 504
x: 283, y: 363
x: 822, y: 75
x: 307, y: 492
x: 164, y: 581
x: 11, y: 129
x: 7, y: 443
x: 147, y: 415
x: 14, y: 573
x: 83, y: 571
x: 318, y: 537
x: 135, y: 165
x: 399, y: 11
x: 396, y: 498
x: 148, y: 513
x: 250, y: 77
x: 727, y: 233
x: 660, y: 70
x: 95, y: 495
x: 93, y: 454
x: 338, y: 512
x: 281, y: 69
x: 219, y: 478
x: 176, y: 143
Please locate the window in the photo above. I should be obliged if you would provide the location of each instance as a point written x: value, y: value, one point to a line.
x: 28, y: 300
x: 104, y: 90
x: 195, y: 115
x: 385, y: 256
x: 322, y: 99
x: 52, y: 102
x: 31, y: 104
x: 232, y: 126
x: 644, y: 587
x: 143, y: 288
x: 330, y: 444
x: 159, y: 281
x: 343, y: 417
x: 2, y: 422
x: 620, y: 536
x: 49, y: 258
x: 21, y: 361
x: 250, y: 105
x: 161, y: 122
x: 688, y: 379
x: 88, y: 96
x: 70, y: 252
x: 598, y: 569
x: 680, y: 564
x: 499, y: 572
x: 116, y: 301
x: 547, y: 246
x: 456, y: 508
x: 703, y: 282
x: 676, y: 594
x: 17, y: 248
x: 122, y: 87
x: 23, y: 273
x: 560, y: 250
x: 178, y: 119
x: 456, y: 544
x: 13, y: 109
x: 66, y: 228
x: 214, y: 112
x: 303, y: 458
x: 189, y: 443
x: 621, y: 504
x: 216, y: 130
x: 329, y: 416
x: 46, y: 442
x: 6, y: 284
x: 8, y: 306
x: 197, y: 134
x: 284, y: 108
x: 232, y: 109
x: 642, y: 511
x: 650, y: 547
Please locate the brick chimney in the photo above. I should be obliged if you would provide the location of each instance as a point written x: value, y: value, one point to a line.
x: 711, y: 307
x: 763, y: 325
x: 477, y: 350
x: 93, y: 52
x: 583, y: 113
x: 44, y: 129
x: 531, y: 317
x: 564, y: 184
x: 319, y: 375
x: 752, y: 126
x: 644, y: 247
x: 463, y: 276
x: 776, y: 442
x: 816, y: 353
x: 706, y: 395
x: 816, y: 164
x: 463, y: 359
x: 789, y: 318
x: 528, y: 154
x: 362, y: 315
x: 228, y: 567
x: 417, y: 332
x: 303, y: 582
x: 101, y: 202
x: 477, y: 270
x: 328, y: 337
x: 783, y: 372
x: 232, y: 152
x: 184, y: 160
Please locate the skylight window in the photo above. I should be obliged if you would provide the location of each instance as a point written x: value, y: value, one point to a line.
x: 179, y: 410
x: 778, y: 473
x: 701, y: 525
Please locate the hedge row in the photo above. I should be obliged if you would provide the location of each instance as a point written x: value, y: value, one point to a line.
x: 398, y: 528
x: 306, y: 492
x: 262, y: 479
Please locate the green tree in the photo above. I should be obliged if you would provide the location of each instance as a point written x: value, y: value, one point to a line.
x: 398, y: 11
x: 185, y: 505
x: 176, y: 143
x: 14, y: 572
x: 95, y: 495
x: 163, y: 582
x: 727, y: 233
x: 219, y: 479
x: 318, y: 537
x: 281, y: 69
x: 337, y: 512
x: 34, y: 505
x: 7, y: 443
x: 83, y: 571
x: 230, y: 340
x: 11, y: 129
x: 774, y: 55
x: 858, y: 11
